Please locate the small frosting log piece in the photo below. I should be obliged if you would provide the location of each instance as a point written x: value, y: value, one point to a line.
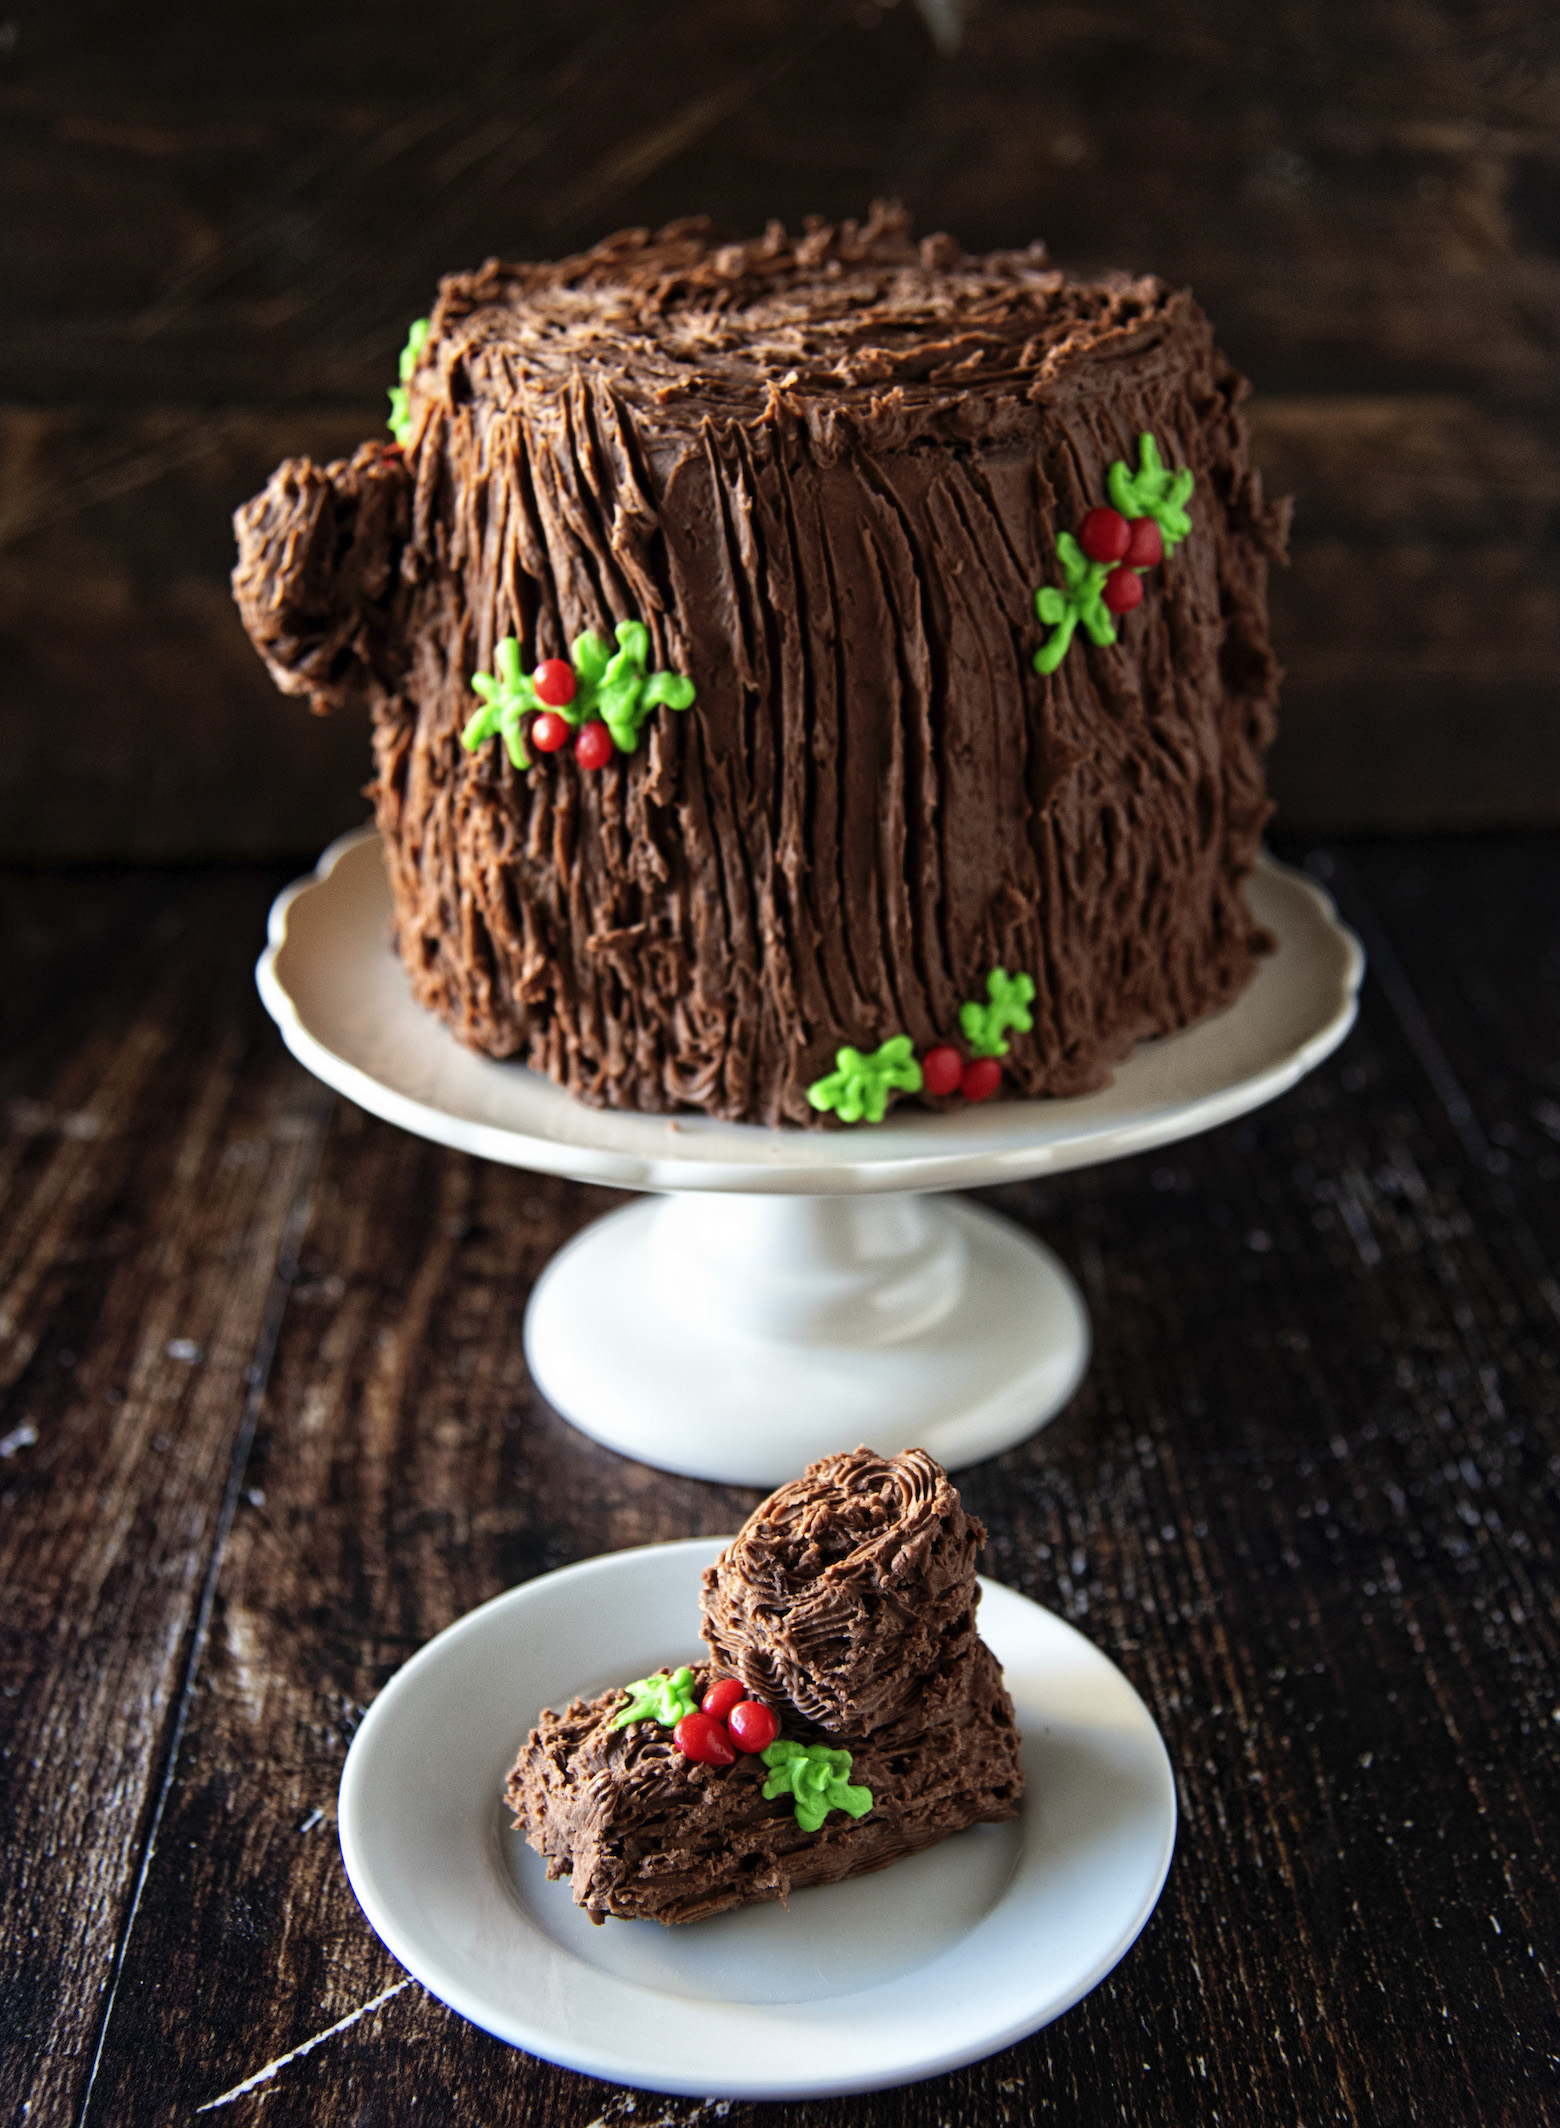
x: 847, y: 1606
x: 645, y: 1833
x: 846, y: 1591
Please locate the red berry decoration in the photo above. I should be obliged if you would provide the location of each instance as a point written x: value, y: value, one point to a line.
x: 1123, y: 590
x: 982, y: 1075
x: 1147, y: 546
x: 593, y: 747
x: 753, y: 1726
x: 1105, y: 535
x: 722, y: 1696
x: 554, y: 683
x: 548, y: 733
x: 941, y: 1069
x: 701, y: 1736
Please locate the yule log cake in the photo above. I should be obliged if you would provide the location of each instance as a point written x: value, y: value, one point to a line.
x: 850, y: 1714
x: 807, y: 674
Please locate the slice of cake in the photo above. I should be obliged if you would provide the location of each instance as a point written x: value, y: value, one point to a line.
x: 807, y: 674
x: 851, y: 1714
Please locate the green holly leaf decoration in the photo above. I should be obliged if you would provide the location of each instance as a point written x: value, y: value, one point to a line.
x: 1153, y: 491
x: 507, y: 696
x: 1062, y: 611
x: 610, y: 685
x: 617, y: 688
x: 985, y: 1026
x: 859, y: 1087
x: 660, y: 1699
x: 400, y: 422
x: 817, y: 1777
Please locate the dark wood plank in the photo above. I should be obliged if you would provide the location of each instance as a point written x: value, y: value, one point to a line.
x: 216, y: 230
x: 1417, y: 621
x: 135, y: 719
x: 404, y: 1470
x: 153, y: 1166
x: 1305, y: 1498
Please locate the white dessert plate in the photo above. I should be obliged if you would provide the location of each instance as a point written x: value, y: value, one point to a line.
x: 335, y: 987
x: 937, y: 1961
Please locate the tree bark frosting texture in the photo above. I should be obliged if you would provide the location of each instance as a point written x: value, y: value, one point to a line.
x: 828, y: 474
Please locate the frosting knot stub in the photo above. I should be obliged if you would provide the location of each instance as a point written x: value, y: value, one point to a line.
x: 847, y: 1590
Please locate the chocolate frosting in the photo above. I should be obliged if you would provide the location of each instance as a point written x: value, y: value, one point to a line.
x: 828, y: 473
x: 318, y: 571
x: 847, y: 1604
x: 847, y: 1590
x: 645, y: 1834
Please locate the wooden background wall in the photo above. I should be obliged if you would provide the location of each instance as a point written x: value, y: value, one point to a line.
x: 216, y: 223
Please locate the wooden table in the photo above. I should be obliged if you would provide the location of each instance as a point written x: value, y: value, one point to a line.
x: 267, y: 1426
x: 217, y: 224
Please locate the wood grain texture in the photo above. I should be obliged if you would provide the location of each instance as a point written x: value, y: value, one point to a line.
x: 215, y: 229
x: 1306, y: 1498
x: 151, y: 1168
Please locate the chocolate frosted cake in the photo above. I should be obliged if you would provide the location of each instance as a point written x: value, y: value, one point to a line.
x: 850, y: 1716
x: 806, y: 673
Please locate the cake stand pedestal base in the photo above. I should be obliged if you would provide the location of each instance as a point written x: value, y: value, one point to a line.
x: 782, y: 1295
x: 737, y: 1338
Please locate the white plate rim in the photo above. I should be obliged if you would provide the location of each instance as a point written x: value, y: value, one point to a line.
x: 1004, y: 1142
x: 615, y: 2064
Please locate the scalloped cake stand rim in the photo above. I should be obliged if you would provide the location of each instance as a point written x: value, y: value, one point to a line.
x: 331, y: 980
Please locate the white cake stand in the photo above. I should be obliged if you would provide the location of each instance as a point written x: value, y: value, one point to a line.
x: 786, y: 1293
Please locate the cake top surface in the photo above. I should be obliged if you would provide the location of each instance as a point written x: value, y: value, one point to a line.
x: 688, y: 324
